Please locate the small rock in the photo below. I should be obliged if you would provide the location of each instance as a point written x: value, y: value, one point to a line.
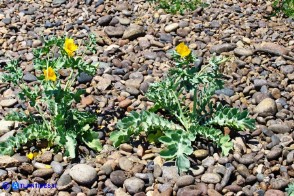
x: 275, y: 153
x: 125, y: 164
x: 279, y: 128
x: 279, y: 183
x: 243, y: 52
x: 6, y: 126
x: 134, y: 185
x: 57, y: 167
x: 271, y: 48
x: 210, y: 178
x: 185, y: 180
x: 104, y: 20
x: 226, y: 91
x: 28, y: 77
x: 83, y: 174
x: 133, y: 31
x: 7, y: 161
x: 266, y: 107
x: 198, y: 170
x: 125, y: 103
x: 8, y: 102
x: 170, y: 173
x: 84, y: 78
x: 43, y: 172
x: 118, y: 177
x: 189, y: 191
x: 209, y: 161
x: 201, y: 154
x: 222, y: 48
x: 272, y: 192
x: 171, y: 27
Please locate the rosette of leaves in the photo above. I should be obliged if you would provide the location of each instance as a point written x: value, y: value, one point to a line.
x: 55, y: 119
x: 290, y: 189
x: 184, y: 124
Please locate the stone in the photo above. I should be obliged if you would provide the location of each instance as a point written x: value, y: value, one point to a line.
x: 125, y: 164
x: 43, y: 173
x: 8, y: 102
x: 103, y: 84
x: 226, y: 91
x: 28, y: 77
x: 118, y: 177
x: 279, y: 183
x: 271, y: 48
x: 114, y: 31
x: 87, y: 100
x: 198, y: 170
x: 57, y: 167
x: 170, y: 172
x: 212, y: 192
x: 272, y: 192
x: 210, y: 178
x: 58, y: 2
x: 274, y: 154
x: 279, y: 128
x: 3, y: 174
x: 26, y: 168
x: 165, y: 38
x: 83, y: 174
x: 222, y: 48
x: 134, y: 185
x: 125, y: 103
x: 7, y: 161
x: 287, y: 69
x: 185, y: 180
x: 201, y: 153
x: 189, y: 191
x: 266, y: 107
x: 243, y: 52
x: 6, y: 126
x: 171, y: 27
x: 46, y: 157
x: 209, y: 161
x: 133, y: 31
x: 84, y: 78
x: 64, y: 180
x: 104, y: 20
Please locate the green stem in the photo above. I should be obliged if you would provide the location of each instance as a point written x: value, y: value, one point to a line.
x: 181, y: 116
x: 194, y: 103
x: 69, y: 80
x: 42, y: 115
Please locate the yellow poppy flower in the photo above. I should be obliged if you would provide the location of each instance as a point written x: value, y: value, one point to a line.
x: 183, y: 50
x: 49, y: 74
x: 32, y: 155
x: 69, y: 46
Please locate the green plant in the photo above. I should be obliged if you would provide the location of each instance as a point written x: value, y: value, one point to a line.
x: 54, y: 118
x: 285, y: 6
x: 290, y: 189
x: 175, y: 6
x: 184, y: 124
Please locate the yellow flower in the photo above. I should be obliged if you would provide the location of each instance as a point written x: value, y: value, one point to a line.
x: 69, y: 46
x: 48, y: 166
x: 32, y: 155
x: 183, y: 50
x: 50, y: 74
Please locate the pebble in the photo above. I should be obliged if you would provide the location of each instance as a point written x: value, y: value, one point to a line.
x: 243, y: 52
x: 279, y: 128
x: 125, y: 164
x: 274, y: 154
x: 185, y: 181
x: 28, y: 77
x: 272, y: 192
x: 6, y: 126
x: 118, y: 177
x: 8, y: 102
x: 266, y: 107
x: 133, y: 31
x: 134, y: 185
x: 171, y: 27
x: 201, y: 154
x: 271, y: 48
x: 84, y: 78
x: 222, y: 48
x: 7, y: 161
x: 189, y: 190
x: 104, y: 20
x: 210, y: 178
x: 170, y: 173
x: 83, y: 174
x: 43, y: 172
x: 57, y: 167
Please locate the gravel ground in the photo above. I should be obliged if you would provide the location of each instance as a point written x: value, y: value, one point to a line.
x: 133, y: 40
